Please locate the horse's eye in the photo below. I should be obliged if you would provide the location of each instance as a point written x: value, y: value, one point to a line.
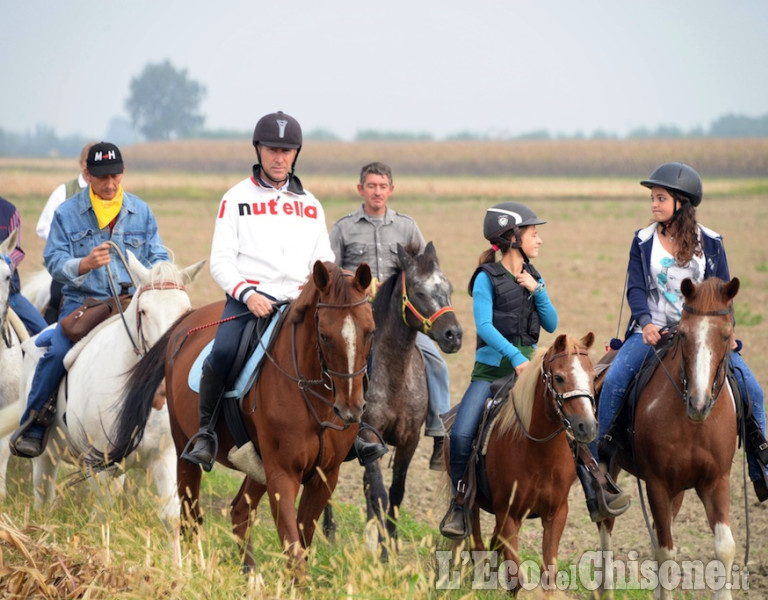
x: 559, y: 379
x: 323, y: 337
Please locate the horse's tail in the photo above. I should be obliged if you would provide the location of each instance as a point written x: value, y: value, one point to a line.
x: 135, y: 406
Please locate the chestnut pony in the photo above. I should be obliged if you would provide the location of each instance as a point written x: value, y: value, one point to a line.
x: 529, y: 462
x: 685, y: 425
x: 301, y: 414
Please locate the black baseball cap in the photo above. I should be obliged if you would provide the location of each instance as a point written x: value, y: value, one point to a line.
x: 104, y: 159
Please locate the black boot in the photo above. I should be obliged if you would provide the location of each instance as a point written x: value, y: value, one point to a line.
x: 756, y: 446
x: 436, y: 462
x: 605, y: 498
x: 206, y: 442
x: 365, y: 452
x: 455, y: 524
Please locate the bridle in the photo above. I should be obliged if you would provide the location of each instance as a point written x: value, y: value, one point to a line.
x: 720, y: 373
x: 142, y: 347
x: 558, y: 399
x: 426, y: 322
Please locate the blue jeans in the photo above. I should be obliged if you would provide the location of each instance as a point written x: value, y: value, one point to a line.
x: 438, y: 385
x: 49, y: 371
x: 29, y: 315
x: 630, y: 358
x: 752, y: 393
x: 465, y: 427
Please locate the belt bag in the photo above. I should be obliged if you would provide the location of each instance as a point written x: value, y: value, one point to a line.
x: 77, y: 324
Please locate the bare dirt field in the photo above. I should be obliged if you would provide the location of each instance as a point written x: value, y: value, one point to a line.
x: 583, y: 260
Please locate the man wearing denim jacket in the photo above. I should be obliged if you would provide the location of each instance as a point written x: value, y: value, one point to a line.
x: 78, y: 254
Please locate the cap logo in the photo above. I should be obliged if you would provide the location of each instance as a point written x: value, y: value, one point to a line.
x: 503, y: 220
x: 100, y: 156
x: 281, y: 123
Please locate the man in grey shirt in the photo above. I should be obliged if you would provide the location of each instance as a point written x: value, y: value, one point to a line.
x: 371, y: 235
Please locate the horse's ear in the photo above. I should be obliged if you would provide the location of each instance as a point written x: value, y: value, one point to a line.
x: 688, y: 288
x: 9, y: 243
x: 401, y: 254
x: 732, y: 288
x: 363, y: 276
x: 321, y: 275
x: 430, y: 252
x: 588, y: 340
x: 137, y: 267
x: 189, y: 274
x: 560, y: 343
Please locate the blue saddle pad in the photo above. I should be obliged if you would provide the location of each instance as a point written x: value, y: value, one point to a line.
x: 251, y: 365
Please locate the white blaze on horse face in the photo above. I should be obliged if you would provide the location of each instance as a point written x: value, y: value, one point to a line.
x: 582, y: 381
x: 702, y: 362
x: 348, y: 333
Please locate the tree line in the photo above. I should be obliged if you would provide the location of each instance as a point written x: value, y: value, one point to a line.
x: 164, y: 103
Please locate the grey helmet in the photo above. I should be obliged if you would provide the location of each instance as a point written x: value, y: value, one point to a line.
x: 505, y: 217
x: 278, y: 130
x: 678, y: 177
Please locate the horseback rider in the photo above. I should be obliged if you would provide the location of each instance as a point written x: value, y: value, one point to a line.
x: 81, y: 234
x: 371, y: 235
x: 510, y: 306
x: 269, y: 232
x: 672, y: 248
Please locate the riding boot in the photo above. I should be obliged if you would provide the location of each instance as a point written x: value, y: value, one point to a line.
x: 365, y: 452
x: 30, y: 439
x: 436, y: 462
x: 605, y: 498
x: 206, y: 443
x: 756, y: 446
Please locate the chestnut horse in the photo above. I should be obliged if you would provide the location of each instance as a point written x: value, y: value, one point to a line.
x: 685, y: 425
x: 415, y: 298
x: 302, y: 413
x: 529, y: 461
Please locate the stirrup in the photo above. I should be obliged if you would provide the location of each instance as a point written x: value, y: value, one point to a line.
x: 455, y: 524
x: 204, y: 436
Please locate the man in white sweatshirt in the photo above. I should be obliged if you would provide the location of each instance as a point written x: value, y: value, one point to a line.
x: 269, y: 232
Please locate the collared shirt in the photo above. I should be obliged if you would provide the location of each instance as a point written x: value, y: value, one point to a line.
x: 54, y: 200
x: 358, y: 238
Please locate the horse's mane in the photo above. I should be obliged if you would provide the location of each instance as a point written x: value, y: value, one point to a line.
x: 514, y: 414
x: 309, y: 294
x: 708, y: 294
x: 164, y: 271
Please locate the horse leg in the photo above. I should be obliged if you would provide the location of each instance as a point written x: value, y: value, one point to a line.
x: 5, y: 454
x: 717, y: 502
x: 477, y: 534
x: 550, y: 542
x: 505, y: 537
x: 329, y: 524
x: 45, y: 469
x: 403, y: 456
x: 188, y: 487
x: 161, y: 469
x: 242, y: 513
x: 662, y: 510
x: 283, y: 488
x: 314, y: 499
x: 376, y: 507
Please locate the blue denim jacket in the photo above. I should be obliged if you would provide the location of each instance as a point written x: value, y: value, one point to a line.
x: 75, y: 232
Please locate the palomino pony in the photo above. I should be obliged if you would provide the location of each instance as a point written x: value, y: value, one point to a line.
x: 10, y: 350
x: 97, y: 368
x: 529, y: 463
x: 302, y: 413
x: 685, y: 425
x: 416, y: 297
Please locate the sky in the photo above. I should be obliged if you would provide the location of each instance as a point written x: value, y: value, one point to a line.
x: 491, y: 67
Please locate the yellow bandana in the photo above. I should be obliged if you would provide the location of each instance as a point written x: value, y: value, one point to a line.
x: 106, y: 210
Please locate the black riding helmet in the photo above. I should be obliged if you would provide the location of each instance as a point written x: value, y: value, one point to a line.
x: 505, y: 217
x: 678, y: 177
x: 278, y: 130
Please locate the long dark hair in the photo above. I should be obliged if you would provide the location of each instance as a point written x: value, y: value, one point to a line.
x: 687, y: 230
